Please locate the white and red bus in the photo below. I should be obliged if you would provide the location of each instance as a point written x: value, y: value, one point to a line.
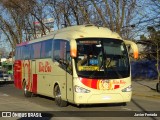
x: 52, y: 66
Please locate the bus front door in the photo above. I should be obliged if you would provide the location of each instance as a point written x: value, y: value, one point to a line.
x: 69, y: 78
x: 34, y: 77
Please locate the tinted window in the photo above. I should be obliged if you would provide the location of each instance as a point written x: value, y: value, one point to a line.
x: 46, y: 49
x: 59, y: 49
x: 61, y: 54
x: 18, y: 53
x: 35, y: 50
x: 26, y: 52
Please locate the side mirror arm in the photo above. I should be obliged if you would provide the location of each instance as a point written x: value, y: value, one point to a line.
x: 133, y: 46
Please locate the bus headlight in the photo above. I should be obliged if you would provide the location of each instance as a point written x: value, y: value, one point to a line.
x: 81, y: 90
x: 127, y: 89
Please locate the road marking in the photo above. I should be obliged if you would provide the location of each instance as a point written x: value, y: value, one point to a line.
x: 4, y: 95
x: 127, y: 109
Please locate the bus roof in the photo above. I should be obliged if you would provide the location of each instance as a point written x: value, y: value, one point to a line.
x: 79, y: 31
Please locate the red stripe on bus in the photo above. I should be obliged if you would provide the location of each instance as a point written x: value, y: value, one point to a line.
x: 18, y: 74
x: 94, y: 84
x: 34, y: 84
x: 23, y: 43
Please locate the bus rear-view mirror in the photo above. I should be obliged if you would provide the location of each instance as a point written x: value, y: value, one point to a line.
x: 134, y: 47
x: 73, y: 48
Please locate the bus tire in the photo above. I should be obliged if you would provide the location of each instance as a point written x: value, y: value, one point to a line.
x: 26, y: 92
x: 58, y: 99
x: 158, y: 87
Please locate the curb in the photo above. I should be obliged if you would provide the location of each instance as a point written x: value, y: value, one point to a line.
x: 148, y: 96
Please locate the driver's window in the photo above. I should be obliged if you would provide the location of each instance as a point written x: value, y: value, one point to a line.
x: 69, y: 62
x: 68, y: 58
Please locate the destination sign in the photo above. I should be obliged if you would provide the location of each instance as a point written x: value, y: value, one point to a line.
x: 88, y: 68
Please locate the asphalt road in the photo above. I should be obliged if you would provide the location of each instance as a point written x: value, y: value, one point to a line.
x: 12, y: 99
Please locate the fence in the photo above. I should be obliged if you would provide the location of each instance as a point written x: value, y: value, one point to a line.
x: 144, y: 69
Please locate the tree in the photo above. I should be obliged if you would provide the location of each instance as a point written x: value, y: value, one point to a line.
x: 22, y: 15
x: 153, y: 49
x: 155, y: 37
x: 114, y: 14
x: 143, y: 37
x: 155, y: 34
x: 12, y: 25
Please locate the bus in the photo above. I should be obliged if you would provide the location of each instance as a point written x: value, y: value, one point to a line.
x: 8, y: 66
x: 51, y: 66
x: 6, y: 71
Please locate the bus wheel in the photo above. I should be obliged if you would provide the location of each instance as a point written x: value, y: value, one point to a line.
x: 58, y: 100
x: 158, y: 87
x: 26, y: 92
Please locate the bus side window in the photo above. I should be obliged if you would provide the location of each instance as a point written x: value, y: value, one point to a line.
x: 56, y: 50
x: 46, y: 49
x: 26, y: 53
x: 31, y: 51
x: 18, y: 53
x: 35, y: 50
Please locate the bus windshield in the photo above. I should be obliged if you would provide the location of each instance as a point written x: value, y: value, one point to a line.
x: 102, y: 58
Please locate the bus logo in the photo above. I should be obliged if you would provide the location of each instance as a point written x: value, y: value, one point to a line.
x: 44, y: 67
